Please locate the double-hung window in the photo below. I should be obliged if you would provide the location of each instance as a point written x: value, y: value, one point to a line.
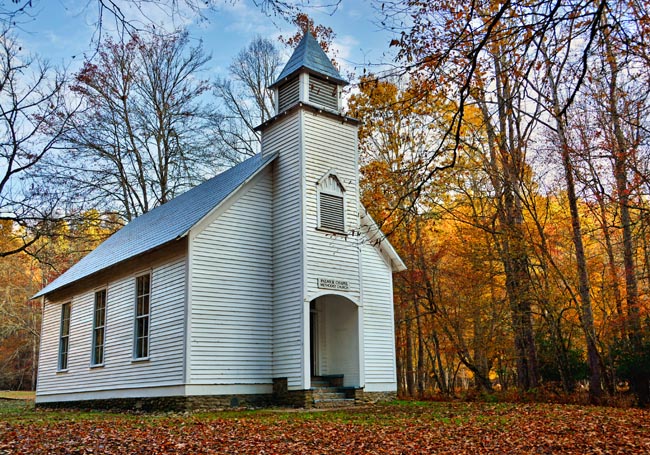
x: 64, y: 337
x: 142, y: 309
x: 99, y: 328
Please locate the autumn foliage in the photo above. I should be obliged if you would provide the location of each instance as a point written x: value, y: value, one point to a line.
x: 23, y: 274
x: 507, y: 159
x: 508, y: 162
x: 414, y: 428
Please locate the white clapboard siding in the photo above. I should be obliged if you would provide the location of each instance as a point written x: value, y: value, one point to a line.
x: 283, y: 138
x: 232, y: 315
x: 379, y: 337
x: 165, y: 364
x: 331, y: 145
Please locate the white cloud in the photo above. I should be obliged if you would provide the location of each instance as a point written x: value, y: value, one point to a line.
x: 240, y: 17
x: 344, y: 48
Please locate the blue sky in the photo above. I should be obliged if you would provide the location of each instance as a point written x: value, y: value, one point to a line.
x: 61, y: 30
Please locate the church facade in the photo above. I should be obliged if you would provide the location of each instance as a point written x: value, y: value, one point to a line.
x: 262, y: 285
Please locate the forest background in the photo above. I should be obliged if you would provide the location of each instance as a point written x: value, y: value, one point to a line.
x: 504, y: 153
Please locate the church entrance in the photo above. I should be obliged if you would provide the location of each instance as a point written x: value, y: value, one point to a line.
x: 313, y: 339
x: 334, y: 339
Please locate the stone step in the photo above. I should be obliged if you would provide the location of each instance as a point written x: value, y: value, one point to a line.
x: 328, y: 393
x: 333, y: 402
x: 329, y: 396
x: 326, y: 389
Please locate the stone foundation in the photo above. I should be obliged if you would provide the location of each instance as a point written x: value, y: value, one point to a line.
x: 176, y: 403
x: 363, y: 397
x: 281, y: 397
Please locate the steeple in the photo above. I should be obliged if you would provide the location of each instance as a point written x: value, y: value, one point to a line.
x: 309, y: 56
x: 308, y: 77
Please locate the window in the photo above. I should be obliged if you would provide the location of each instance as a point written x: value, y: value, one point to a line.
x: 142, y: 300
x: 331, y: 204
x: 331, y: 212
x: 64, y: 337
x: 99, y: 325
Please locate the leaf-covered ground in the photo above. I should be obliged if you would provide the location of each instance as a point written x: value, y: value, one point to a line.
x: 397, y: 428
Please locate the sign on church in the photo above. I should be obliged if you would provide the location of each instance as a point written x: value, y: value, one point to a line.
x: 338, y: 285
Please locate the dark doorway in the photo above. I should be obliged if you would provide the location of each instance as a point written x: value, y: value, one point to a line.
x: 313, y: 339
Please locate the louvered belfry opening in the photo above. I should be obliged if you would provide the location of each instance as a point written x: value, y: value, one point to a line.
x: 288, y: 94
x: 308, y: 77
x: 323, y: 93
x: 331, y: 212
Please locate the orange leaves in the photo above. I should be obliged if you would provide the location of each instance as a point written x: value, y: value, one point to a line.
x: 304, y: 23
x: 442, y: 428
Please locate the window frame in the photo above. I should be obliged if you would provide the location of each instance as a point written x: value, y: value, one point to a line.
x: 95, y: 347
x: 330, y: 185
x: 136, y: 356
x: 64, y: 337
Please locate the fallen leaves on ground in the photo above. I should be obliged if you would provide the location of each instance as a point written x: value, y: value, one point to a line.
x: 432, y: 428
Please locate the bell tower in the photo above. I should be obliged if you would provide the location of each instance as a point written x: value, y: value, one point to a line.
x: 316, y: 255
x: 308, y: 77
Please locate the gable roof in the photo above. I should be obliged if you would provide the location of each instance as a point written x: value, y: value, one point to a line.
x: 379, y: 241
x: 310, y: 56
x: 163, y: 224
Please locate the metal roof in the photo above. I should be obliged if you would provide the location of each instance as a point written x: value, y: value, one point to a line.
x: 309, y: 55
x: 163, y: 224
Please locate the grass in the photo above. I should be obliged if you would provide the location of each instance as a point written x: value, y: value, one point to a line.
x: 16, y: 395
x: 389, y: 428
x: 395, y: 414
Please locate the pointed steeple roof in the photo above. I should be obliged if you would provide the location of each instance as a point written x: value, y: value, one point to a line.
x: 310, y: 56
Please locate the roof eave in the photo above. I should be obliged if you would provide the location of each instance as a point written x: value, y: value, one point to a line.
x: 311, y: 107
x: 232, y: 194
x: 45, y: 291
x: 304, y: 69
x: 379, y: 240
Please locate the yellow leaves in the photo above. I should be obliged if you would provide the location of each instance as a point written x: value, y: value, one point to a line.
x: 9, y: 235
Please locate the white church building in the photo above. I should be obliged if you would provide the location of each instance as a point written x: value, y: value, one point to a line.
x: 267, y: 284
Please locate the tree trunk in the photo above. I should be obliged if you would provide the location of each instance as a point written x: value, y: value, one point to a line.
x: 399, y: 352
x: 507, y: 169
x: 584, y: 289
x: 410, y: 383
x: 420, y: 362
x: 611, y: 262
x: 640, y: 381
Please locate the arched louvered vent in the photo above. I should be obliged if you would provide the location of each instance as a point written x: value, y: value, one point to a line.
x: 331, y: 204
x: 331, y: 213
